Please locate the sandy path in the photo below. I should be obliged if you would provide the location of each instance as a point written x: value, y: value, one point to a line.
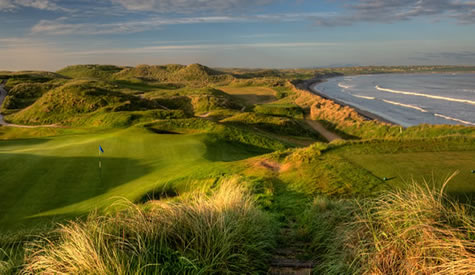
x: 317, y: 126
x: 3, y: 94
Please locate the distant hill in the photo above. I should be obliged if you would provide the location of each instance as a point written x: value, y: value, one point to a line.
x: 175, y: 73
x: 162, y: 73
x: 65, y: 103
x: 104, y: 72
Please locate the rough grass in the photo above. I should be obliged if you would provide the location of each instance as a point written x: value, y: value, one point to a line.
x: 103, y: 72
x: 14, y: 78
x: 25, y: 94
x: 224, y: 132
x: 221, y: 233
x: 285, y: 110
x: 65, y: 104
x: 417, y: 230
x: 194, y: 74
x: 278, y: 125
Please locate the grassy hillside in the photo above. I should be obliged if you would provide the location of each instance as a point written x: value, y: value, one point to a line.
x: 66, y: 103
x: 104, y: 72
x: 194, y: 100
x: 220, y: 171
x: 60, y: 176
x: 194, y: 73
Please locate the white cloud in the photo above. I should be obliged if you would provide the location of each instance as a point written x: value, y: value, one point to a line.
x: 387, y: 11
x: 189, y: 6
x: 205, y: 47
x: 62, y: 27
x: 6, y: 5
x: 36, y: 4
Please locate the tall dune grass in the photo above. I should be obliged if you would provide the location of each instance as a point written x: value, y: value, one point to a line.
x: 220, y: 233
x: 415, y: 231
x: 418, y: 230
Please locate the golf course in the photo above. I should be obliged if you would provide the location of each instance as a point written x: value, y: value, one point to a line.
x: 189, y: 169
x: 61, y: 176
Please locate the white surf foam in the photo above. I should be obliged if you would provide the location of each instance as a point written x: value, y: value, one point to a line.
x: 425, y: 95
x: 405, y: 105
x: 341, y: 85
x: 365, y: 97
x: 455, y: 119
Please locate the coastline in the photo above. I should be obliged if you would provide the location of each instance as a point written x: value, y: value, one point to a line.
x: 309, y: 85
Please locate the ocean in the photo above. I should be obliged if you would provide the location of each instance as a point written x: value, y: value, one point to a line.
x: 408, y: 99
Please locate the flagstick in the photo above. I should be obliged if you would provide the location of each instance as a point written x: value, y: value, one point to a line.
x: 100, y: 169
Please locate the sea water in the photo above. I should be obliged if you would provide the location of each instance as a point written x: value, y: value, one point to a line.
x: 408, y: 99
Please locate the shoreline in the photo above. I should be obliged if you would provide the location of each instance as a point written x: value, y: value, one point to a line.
x: 311, y: 83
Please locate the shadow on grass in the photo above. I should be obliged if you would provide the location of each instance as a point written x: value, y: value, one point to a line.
x: 332, y: 127
x: 166, y: 191
x: 21, y: 142
x: 227, y: 151
x: 32, y: 184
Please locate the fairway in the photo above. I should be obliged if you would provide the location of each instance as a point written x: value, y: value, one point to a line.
x: 433, y: 167
x: 61, y: 175
x: 251, y: 95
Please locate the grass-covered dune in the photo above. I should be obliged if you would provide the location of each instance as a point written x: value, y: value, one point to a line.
x: 223, y: 171
x: 65, y: 103
x: 194, y: 73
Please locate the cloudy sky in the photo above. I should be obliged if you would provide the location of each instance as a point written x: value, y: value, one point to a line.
x: 49, y: 34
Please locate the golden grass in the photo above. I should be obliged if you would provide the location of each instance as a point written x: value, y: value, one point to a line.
x: 220, y: 233
x: 414, y: 231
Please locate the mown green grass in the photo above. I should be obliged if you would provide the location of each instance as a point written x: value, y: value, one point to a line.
x: 60, y: 175
x: 401, y: 168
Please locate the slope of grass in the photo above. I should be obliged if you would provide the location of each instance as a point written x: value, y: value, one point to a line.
x: 194, y: 100
x: 278, y: 125
x: 25, y: 94
x: 214, y: 234
x: 260, y: 141
x: 60, y: 175
x: 416, y: 230
x: 223, y: 233
x: 194, y: 73
x: 103, y: 72
x: 66, y: 103
x: 285, y: 110
x: 22, y: 77
x: 359, y: 167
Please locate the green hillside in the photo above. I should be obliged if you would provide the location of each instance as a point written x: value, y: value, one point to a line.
x: 223, y: 170
x: 60, y: 176
x: 195, y: 73
x: 66, y: 103
x: 104, y: 72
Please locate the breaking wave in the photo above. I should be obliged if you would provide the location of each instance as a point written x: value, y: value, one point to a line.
x: 425, y: 95
x: 455, y: 119
x: 365, y: 97
x: 341, y: 85
x: 405, y: 105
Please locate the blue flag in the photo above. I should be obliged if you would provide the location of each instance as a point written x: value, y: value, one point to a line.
x: 100, y: 149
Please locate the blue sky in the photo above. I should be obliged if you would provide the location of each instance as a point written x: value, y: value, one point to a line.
x: 50, y: 34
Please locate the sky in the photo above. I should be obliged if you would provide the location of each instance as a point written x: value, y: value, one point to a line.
x: 51, y: 34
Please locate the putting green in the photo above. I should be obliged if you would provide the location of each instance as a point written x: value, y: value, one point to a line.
x: 61, y: 175
x: 432, y: 167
